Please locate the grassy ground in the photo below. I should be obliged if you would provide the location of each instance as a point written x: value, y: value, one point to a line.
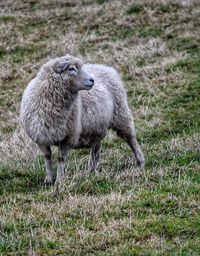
x: 124, y: 211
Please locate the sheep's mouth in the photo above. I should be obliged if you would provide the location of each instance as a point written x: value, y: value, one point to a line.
x: 88, y: 86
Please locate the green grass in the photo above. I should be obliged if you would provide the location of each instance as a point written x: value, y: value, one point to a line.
x: 5, y: 18
x: 123, y: 210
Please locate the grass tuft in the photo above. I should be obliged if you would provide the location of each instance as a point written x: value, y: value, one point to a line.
x: 135, y: 8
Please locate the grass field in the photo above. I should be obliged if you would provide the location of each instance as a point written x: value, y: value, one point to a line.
x: 123, y: 211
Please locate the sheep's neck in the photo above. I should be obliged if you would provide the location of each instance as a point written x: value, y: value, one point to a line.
x: 59, y: 95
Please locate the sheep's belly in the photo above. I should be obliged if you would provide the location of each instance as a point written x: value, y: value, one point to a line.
x: 87, y: 140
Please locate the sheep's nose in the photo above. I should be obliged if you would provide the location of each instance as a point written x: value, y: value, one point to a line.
x: 92, y: 80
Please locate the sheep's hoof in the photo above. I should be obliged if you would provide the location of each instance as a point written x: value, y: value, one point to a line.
x: 94, y: 172
x: 48, y: 181
x: 56, y: 187
x: 141, y: 164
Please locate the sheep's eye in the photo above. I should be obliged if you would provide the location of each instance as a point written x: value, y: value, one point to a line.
x: 72, y: 69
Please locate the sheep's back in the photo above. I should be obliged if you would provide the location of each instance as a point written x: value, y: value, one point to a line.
x: 109, y: 78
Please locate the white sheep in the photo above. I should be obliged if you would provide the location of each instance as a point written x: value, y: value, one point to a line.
x: 72, y: 105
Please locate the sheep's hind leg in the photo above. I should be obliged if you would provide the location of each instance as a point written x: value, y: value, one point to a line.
x: 128, y: 134
x: 62, y: 156
x: 94, y: 157
x: 48, y: 163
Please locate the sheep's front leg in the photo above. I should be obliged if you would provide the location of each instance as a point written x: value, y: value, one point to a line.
x: 94, y: 157
x: 62, y: 156
x: 48, y: 163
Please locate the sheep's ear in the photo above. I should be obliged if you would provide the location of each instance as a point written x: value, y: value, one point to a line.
x: 60, y: 67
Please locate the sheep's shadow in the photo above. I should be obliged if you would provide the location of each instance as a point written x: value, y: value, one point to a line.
x: 20, y: 181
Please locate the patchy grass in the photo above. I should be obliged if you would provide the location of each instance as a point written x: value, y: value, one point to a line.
x: 123, y: 210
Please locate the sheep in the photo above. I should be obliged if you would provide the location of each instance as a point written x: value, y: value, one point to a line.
x: 72, y: 105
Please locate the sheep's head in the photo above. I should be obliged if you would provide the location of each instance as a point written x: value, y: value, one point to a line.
x: 71, y: 72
